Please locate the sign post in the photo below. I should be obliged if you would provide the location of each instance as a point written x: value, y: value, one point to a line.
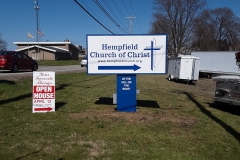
x: 126, y: 93
x: 126, y: 56
x: 43, y: 99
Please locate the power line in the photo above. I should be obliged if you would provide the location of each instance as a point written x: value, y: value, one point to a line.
x: 93, y: 16
x: 118, y: 23
x: 95, y: 13
x: 126, y: 7
x: 109, y: 16
x: 104, y: 11
x: 129, y: 17
x: 119, y: 10
x: 135, y: 15
x: 115, y: 15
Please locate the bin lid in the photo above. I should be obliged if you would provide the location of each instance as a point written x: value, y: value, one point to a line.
x: 227, y: 78
x: 188, y: 56
x: 180, y: 56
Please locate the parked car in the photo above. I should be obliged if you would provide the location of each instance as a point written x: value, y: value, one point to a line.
x: 14, y: 61
x: 84, y: 62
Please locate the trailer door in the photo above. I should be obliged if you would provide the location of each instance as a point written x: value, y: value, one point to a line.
x: 195, y: 69
x: 177, y: 68
x: 171, y: 67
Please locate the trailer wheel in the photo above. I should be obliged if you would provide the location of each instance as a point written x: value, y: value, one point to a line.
x: 194, y: 82
x: 209, y: 76
x: 169, y: 78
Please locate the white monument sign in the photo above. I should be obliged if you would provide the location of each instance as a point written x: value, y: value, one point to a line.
x: 126, y: 54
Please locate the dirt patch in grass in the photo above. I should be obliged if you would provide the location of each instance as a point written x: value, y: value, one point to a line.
x: 138, y: 117
x: 205, y: 85
x: 95, y: 148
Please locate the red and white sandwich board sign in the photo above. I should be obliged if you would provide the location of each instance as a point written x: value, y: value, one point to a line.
x: 43, y: 98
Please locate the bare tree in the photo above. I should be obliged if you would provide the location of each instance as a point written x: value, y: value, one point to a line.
x: 177, y: 19
x: 3, y: 44
x: 203, y: 39
x: 233, y: 33
x: 217, y: 30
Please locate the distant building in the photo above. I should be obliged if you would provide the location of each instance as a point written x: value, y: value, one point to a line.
x: 50, y: 50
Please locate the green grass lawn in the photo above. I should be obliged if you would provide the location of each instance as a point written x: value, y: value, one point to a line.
x: 173, y: 121
x: 58, y: 62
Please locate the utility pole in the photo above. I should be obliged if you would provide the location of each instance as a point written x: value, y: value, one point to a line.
x: 37, y: 36
x: 130, y: 20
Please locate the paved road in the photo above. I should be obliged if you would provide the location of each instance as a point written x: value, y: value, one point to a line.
x: 57, y: 69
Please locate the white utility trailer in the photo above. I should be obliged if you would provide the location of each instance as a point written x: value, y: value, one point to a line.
x: 184, y: 67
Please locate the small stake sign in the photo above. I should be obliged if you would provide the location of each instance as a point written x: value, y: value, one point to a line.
x: 43, y: 98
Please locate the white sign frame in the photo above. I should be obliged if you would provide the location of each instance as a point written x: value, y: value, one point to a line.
x: 126, y: 54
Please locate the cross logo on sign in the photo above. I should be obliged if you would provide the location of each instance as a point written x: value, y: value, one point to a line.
x: 151, y: 48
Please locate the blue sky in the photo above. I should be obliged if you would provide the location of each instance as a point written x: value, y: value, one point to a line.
x: 64, y: 19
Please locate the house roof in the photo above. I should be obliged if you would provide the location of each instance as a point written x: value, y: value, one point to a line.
x: 45, y: 43
x: 52, y: 48
x: 57, y: 49
x: 17, y: 43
